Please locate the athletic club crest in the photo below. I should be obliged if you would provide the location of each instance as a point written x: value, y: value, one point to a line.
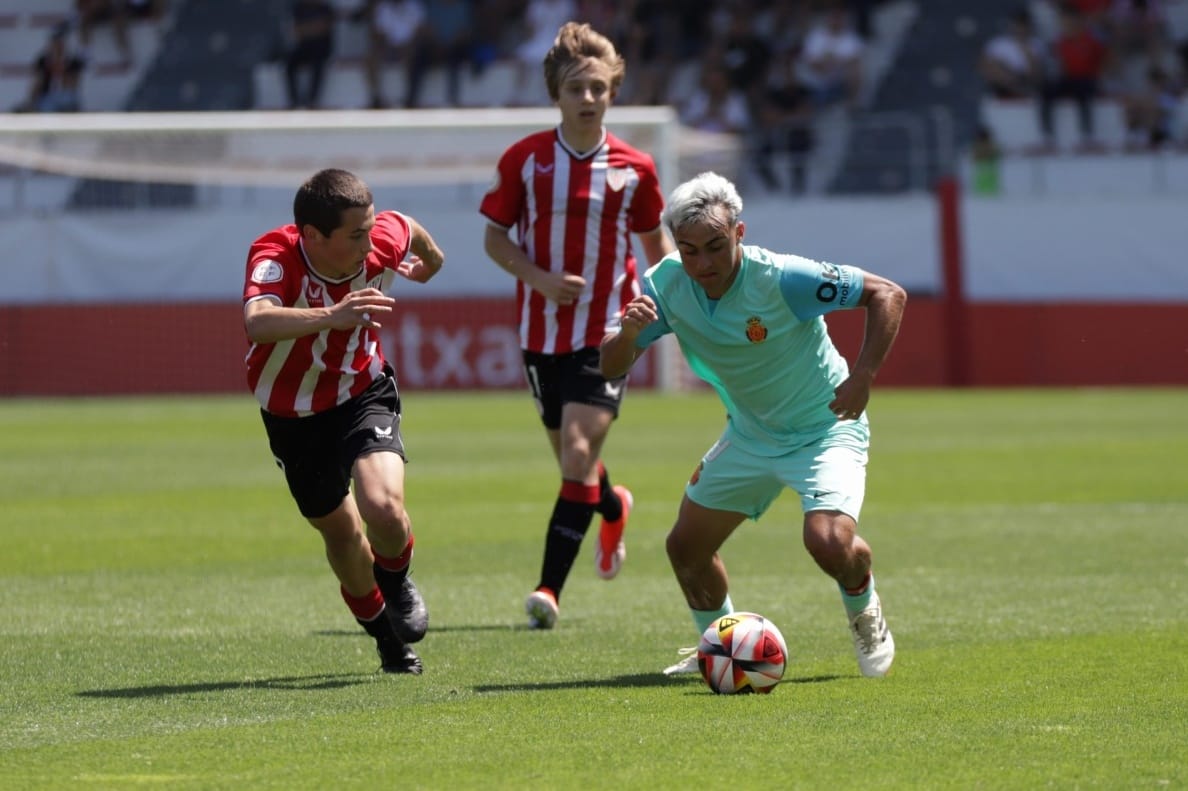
x: 616, y: 178
x: 756, y: 332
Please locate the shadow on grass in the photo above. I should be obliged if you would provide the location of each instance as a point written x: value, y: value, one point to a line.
x: 631, y: 680
x: 293, y: 683
x: 435, y: 628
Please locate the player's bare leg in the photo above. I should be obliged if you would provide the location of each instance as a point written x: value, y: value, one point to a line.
x: 692, y: 547
x: 831, y: 538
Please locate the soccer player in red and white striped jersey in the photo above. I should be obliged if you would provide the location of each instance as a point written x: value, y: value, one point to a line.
x: 575, y: 194
x: 314, y: 298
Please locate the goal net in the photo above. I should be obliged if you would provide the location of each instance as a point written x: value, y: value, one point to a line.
x: 158, y: 208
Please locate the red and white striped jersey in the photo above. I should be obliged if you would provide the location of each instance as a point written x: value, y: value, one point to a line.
x: 575, y: 213
x: 310, y: 374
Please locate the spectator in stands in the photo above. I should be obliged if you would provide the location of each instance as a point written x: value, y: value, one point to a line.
x: 1080, y: 60
x: 1136, y: 27
x: 445, y: 41
x: 541, y: 21
x: 746, y: 55
x: 1012, y: 63
x: 831, y: 61
x: 311, y: 31
x: 785, y: 125
x: 1151, y: 112
x: 92, y: 13
x: 653, y: 48
x: 716, y: 106
x: 56, y: 75
x: 395, y: 28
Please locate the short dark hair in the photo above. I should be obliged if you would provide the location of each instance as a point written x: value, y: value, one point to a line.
x: 322, y: 199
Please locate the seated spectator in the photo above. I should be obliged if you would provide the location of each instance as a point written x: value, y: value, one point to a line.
x: 395, y: 28
x: 652, y: 49
x: 56, y: 75
x: 446, y: 41
x: 311, y: 45
x: 542, y: 19
x: 716, y: 106
x: 92, y: 13
x: 785, y: 125
x: 1151, y: 112
x: 1136, y: 27
x: 831, y: 60
x: 1081, y: 58
x: 1012, y: 62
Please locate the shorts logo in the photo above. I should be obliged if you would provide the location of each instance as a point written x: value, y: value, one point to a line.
x: 267, y: 272
x: 613, y: 390
x: 696, y: 476
x: 383, y: 433
x: 756, y: 332
x: 616, y: 178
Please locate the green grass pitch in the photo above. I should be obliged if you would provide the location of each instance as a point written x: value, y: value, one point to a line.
x: 169, y: 621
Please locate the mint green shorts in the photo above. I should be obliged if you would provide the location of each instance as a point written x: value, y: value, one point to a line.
x: 829, y: 474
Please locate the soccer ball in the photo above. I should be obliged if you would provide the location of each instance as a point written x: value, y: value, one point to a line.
x: 742, y: 652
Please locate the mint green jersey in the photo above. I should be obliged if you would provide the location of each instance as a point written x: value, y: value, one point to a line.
x: 763, y: 346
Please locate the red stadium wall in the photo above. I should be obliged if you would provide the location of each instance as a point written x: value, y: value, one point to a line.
x: 91, y: 349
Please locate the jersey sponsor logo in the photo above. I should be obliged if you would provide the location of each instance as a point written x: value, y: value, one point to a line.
x: 829, y: 272
x: 616, y: 178
x: 313, y: 294
x: 756, y: 332
x: 267, y: 272
x: 544, y: 170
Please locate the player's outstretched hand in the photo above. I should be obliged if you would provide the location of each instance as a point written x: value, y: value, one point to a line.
x: 419, y: 269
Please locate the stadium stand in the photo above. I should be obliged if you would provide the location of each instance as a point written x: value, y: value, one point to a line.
x: 107, y: 81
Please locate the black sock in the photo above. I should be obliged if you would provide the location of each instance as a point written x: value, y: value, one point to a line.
x: 567, y: 528
x: 609, y: 504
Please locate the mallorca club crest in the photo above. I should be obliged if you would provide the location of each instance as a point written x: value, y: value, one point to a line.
x: 756, y: 332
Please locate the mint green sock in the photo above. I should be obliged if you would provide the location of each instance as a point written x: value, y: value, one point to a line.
x: 703, y: 618
x: 857, y: 603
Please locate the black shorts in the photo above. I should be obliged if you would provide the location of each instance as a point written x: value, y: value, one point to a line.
x: 317, y: 452
x: 559, y: 379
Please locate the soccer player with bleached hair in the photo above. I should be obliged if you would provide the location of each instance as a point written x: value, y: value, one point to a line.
x: 750, y: 323
x: 575, y: 194
x: 314, y: 299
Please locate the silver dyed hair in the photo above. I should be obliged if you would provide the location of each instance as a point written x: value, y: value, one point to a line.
x: 695, y: 200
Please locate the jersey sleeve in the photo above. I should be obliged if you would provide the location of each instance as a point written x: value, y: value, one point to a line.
x: 814, y: 288
x: 503, y: 201
x: 271, y: 271
x: 390, y: 238
x: 658, y: 328
x: 649, y: 200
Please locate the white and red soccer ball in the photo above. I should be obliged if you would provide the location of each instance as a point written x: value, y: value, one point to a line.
x: 742, y: 652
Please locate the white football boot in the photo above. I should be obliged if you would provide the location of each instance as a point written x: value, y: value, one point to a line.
x: 873, y: 644
x: 542, y: 609
x: 685, y: 666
